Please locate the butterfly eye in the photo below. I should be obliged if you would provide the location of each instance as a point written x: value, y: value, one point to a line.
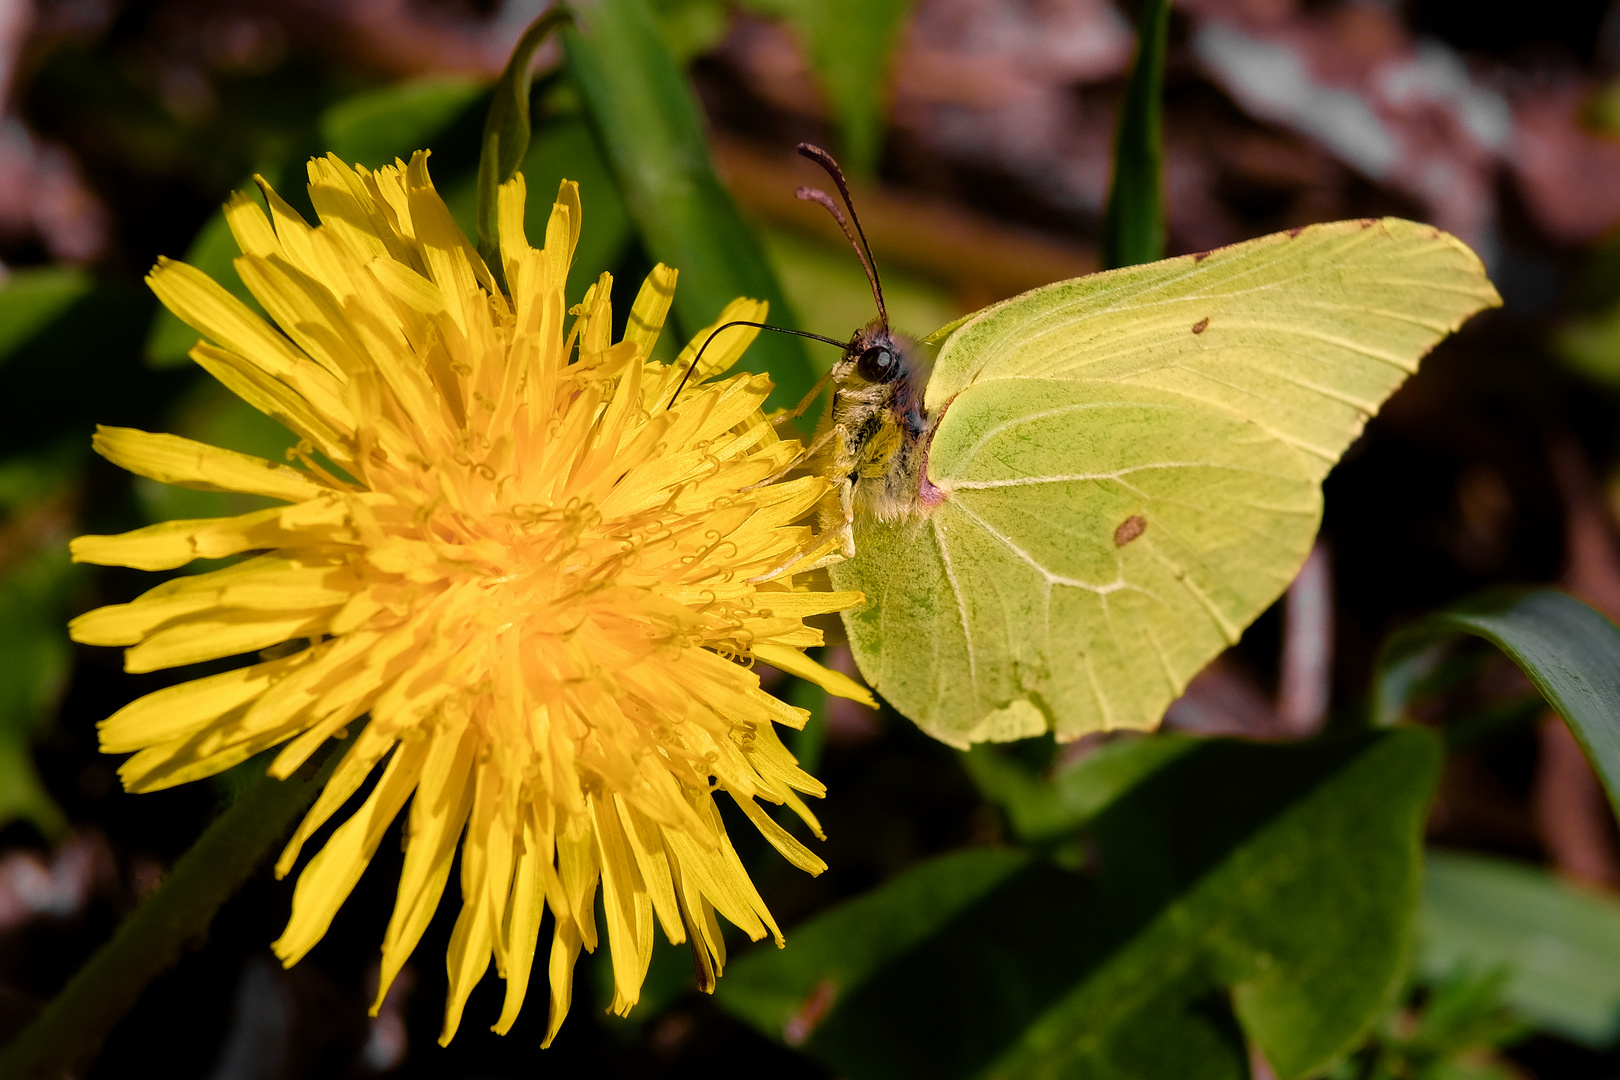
x: 877, y: 364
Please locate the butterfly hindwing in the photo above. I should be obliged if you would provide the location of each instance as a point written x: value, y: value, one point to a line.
x: 1132, y: 466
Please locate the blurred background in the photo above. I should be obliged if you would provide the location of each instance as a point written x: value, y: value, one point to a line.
x: 978, y: 133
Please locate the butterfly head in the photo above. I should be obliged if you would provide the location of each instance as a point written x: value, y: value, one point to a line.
x: 874, y: 355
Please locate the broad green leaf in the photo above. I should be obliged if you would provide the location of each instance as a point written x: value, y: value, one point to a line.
x: 850, y: 45
x: 34, y: 658
x: 652, y: 130
x: 1265, y: 891
x: 506, y: 134
x: 856, y: 942
x: 1128, y: 472
x: 1569, y: 651
x: 1133, y: 223
x: 1041, y: 809
x: 31, y: 299
x: 1559, y: 944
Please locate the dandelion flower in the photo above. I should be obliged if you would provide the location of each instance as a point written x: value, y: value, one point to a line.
x: 539, y: 584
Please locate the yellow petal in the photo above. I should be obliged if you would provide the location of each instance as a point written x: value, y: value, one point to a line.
x: 780, y: 839
x: 648, y: 848
x: 565, y: 944
x: 276, y: 400
x: 568, y: 200
x: 472, y: 941
x: 650, y: 309
x: 443, y: 800
x: 627, y: 906
x: 728, y: 345
x: 249, y: 226
x: 331, y: 875
x: 219, y: 635
x: 795, y: 662
x: 370, y: 747
x: 509, y: 224
x: 171, y: 459
x: 203, y: 304
x: 522, y: 927
x: 182, y: 710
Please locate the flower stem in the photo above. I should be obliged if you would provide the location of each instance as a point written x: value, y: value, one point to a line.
x: 177, y: 912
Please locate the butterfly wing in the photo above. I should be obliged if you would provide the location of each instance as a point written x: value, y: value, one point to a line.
x: 1132, y: 467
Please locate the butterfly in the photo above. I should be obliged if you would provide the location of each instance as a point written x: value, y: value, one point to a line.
x: 1060, y: 508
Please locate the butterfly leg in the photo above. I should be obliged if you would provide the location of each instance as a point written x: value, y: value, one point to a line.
x: 846, y: 531
x: 846, y: 502
x: 845, y: 535
x: 805, y: 402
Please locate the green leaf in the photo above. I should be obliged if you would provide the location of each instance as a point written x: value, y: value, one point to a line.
x: 1569, y: 651
x: 1560, y: 945
x: 32, y: 299
x: 1133, y: 224
x: 649, y: 123
x: 506, y: 134
x: 850, y: 45
x: 691, y: 27
x: 34, y: 661
x: 1041, y: 810
x: 1243, y: 889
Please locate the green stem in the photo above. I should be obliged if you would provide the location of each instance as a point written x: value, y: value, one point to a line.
x: 506, y: 135
x: 1133, y: 226
x: 177, y: 912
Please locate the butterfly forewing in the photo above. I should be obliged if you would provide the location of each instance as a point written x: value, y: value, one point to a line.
x: 1131, y: 465
x: 1305, y: 333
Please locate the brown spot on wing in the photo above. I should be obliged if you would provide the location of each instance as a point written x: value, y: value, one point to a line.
x: 1295, y: 232
x: 1201, y: 325
x: 1130, y: 529
x: 1201, y: 256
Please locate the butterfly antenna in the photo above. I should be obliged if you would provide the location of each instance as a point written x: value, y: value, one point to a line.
x: 726, y: 326
x: 863, y: 250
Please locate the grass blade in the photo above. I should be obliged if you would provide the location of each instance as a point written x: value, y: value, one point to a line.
x: 1568, y: 650
x: 1133, y: 225
x: 650, y: 125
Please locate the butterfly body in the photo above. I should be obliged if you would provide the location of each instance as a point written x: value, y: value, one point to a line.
x: 874, y: 435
